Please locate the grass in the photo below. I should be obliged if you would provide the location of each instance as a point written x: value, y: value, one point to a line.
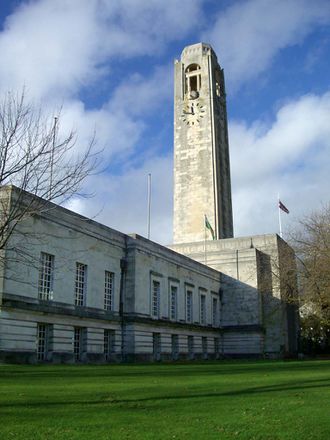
x: 212, y: 400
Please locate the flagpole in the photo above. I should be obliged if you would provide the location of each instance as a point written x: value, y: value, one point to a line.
x: 149, y: 203
x: 52, y: 159
x: 205, y: 258
x: 279, y: 214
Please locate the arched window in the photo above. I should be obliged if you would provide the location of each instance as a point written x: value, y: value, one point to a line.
x: 193, y: 78
x: 219, y: 84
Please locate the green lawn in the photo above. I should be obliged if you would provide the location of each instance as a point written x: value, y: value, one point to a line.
x: 211, y: 400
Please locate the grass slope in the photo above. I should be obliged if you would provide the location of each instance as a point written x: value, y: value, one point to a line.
x: 211, y: 400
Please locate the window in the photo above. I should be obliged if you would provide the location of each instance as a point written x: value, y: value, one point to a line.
x: 219, y: 83
x: 203, y: 309
x: 156, y: 346
x: 108, y: 290
x: 46, y: 276
x: 43, y: 341
x: 215, y: 320
x: 193, y: 78
x: 109, y: 343
x: 81, y: 283
x: 175, y: 347
x: 155, y: 298
x: 216, y: 346
x: 189, y: 306
x: 204, y: 347
x: 79, y: 343
x: 190, y: 347
x: 173, y: 302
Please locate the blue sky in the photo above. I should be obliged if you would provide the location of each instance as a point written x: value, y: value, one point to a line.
x: 109, y: 65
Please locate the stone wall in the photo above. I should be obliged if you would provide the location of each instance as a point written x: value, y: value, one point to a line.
x: 254, y: 285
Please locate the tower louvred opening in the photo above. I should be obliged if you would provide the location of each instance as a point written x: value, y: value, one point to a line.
x: 193, y: 78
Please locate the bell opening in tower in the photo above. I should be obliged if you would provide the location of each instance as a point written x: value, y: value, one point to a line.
x: 193, y: 78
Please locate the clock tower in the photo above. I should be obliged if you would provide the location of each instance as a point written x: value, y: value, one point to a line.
x: 201, y: 153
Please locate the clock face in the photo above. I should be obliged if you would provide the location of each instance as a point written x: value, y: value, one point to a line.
x: 193, y: 113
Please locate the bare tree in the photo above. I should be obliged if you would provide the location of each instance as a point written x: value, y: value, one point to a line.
x: 38, y: 160
x: 312, y: 245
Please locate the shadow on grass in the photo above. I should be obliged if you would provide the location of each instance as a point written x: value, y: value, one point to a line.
x: 160, y: 370
x: 300, y: 386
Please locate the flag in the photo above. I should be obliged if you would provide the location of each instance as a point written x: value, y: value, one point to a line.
x: 283, y: 207
x: 209, y: 227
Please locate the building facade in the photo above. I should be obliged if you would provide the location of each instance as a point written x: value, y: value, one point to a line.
x: 73, y: 290
x: 89, y: 293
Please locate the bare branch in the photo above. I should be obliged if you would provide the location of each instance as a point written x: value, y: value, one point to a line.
x: 37, y: 158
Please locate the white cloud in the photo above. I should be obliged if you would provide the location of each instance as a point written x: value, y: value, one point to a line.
x: 53, y: 48
x: 248, y: 34
x: 292, y: 157
x: 120, y: 124
x: 116, y: 132
x: 121, y: 201
x: 56, y: 48
x: 50, y: 47
x: 139, y: 96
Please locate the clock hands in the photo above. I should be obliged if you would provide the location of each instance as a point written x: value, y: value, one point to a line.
x: 191, y: 112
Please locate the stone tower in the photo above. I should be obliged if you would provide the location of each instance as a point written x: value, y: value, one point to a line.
x: 201, y: 154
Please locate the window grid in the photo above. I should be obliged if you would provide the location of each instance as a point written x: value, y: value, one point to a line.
x: 203, y: 309
x: 42, y: 342
x: 214, y: 311
x: 80, y: 287
x: 77, y: 343
x: 156, y: 342
x: 46, y: 276
x: 109, y: 342
x: 190, y: 347
x: 189, y: 305
x: 175, y: 346
x: 216, y: 345
x: 173, y: 302
x: 108, y: 290
x: 204, y: 346
x: 193, y: 78
x: 155, y: 297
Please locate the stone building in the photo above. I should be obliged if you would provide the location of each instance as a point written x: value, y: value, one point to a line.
x: 73, y: 290
x: 257, y: 281
x: 201, y: 152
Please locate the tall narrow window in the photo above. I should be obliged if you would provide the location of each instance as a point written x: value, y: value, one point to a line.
x: 43, y: 335
x: 219, y: 83
x: 46, y: 276
x: 216, y: 347
x: 155, y: 298
x: 190, y: 347
x: 81, y: 284
x: 215, y: 320
x: 189, y: 306
x: 175, y: 347
x: 156, y: 346
x: 202, y: 309
x: 79, y: 343
x: 204, y: 347
x: 109, y: 343
x: 173, y: 302
x: 193, y: 78
x: 108, y: 290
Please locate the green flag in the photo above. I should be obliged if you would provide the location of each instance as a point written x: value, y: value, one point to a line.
x: 209, y: 227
